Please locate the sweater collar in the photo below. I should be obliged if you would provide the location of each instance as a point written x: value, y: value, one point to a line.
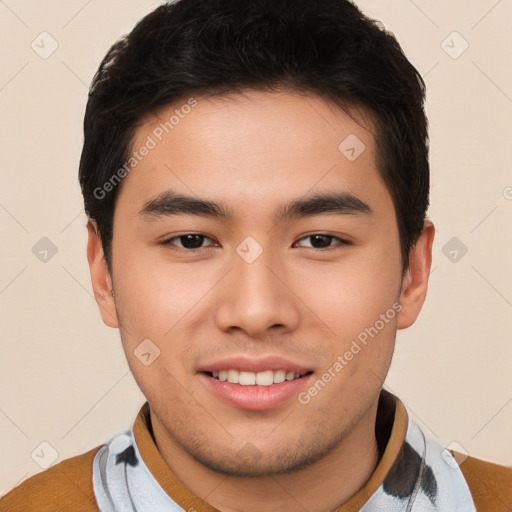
x: 391, y: 428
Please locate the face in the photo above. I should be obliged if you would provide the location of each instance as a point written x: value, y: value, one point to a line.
x: 258, y: 280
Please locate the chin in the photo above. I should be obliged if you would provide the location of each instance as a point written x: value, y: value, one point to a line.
x: 249, y: 461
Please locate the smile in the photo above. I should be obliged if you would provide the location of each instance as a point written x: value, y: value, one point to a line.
x: 255, y: 391
x: 264, y: 378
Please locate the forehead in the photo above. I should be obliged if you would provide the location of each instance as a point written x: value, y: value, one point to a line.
x: 254, y: 149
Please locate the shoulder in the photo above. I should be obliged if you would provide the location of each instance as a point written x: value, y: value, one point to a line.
x: 490, y: 484
x: 65, y: 486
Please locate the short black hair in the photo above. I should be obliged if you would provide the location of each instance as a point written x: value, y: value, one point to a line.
x: 197, y: 47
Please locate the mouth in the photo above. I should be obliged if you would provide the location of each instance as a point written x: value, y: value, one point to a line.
x: 262, y: 390
x: 258, y: 383
x: 263, y: 378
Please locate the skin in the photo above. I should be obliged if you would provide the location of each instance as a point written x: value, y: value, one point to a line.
x: 253, y: 153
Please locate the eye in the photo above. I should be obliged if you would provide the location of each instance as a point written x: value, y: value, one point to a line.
x: 322, y: 242
x: 189, y: 242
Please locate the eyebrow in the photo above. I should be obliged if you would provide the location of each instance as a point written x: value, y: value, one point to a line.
x: 171, y: 203
x: 321, y: 203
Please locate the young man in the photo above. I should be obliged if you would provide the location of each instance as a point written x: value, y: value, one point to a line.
x: 256, y: 180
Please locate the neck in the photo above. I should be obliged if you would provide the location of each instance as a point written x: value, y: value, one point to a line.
x: 320, y: 487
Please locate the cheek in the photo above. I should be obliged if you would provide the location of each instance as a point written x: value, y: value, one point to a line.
x: 351, y: 295
x: 162, y: 302
x: 154, y: 304
x: 155, y: 295
x: 358, y: 304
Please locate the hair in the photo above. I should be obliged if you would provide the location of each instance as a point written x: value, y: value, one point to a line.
x: 328, y: 48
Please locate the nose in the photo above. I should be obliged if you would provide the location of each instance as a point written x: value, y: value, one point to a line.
x: 257, y: 299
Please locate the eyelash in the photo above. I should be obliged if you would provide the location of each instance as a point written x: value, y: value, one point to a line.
x: 341, y: 242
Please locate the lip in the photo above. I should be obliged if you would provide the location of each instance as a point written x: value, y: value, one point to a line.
x: 255, y: 398
x: 244, y: 363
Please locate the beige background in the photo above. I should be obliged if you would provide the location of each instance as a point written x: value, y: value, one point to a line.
x: 63, y: 376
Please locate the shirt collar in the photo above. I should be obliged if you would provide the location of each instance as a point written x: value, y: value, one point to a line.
x: 391, y: 429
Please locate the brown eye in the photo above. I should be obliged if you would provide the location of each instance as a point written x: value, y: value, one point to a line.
x: 192, y: 241
x: 189, y: 241
x: 322, y: 241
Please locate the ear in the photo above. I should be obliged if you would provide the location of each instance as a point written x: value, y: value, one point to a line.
x: 415, y: 281
x: 100, y: 276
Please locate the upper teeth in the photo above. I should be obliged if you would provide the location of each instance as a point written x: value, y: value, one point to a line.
x: 266, y: 378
